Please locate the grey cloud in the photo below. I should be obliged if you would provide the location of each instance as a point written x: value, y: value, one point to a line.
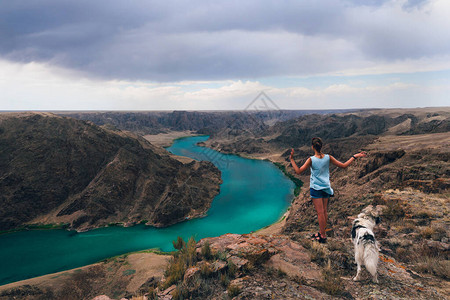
x: 188, y: 40
x: 410, y: 4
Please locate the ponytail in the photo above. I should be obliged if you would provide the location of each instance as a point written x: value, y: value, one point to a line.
x: 317, y: 144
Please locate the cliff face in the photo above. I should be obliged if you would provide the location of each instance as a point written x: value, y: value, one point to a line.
x: 61, y: 170
x: 201, y: 122
x: 340, y: 132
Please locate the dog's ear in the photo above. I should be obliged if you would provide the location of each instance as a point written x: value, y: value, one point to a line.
x: 368, y: 210
x: 380, y: 209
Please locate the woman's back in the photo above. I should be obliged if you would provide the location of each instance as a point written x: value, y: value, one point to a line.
x: 320, y: 173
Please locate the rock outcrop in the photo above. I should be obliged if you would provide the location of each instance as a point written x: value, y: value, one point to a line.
x: 58, y: 170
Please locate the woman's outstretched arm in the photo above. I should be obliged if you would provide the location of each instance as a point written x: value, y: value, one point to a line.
x: 305, y: 166
x: 339, y: 164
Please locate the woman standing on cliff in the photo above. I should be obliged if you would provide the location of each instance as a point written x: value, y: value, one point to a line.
x: 320, y: 188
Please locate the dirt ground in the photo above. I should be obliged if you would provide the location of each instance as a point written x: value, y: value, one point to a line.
x: 166, y: 139
x: 130, y: 271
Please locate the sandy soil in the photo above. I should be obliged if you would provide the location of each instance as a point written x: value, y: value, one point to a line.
x: 166, y: 139
x: 275, y: 228
x: 146, y: 265
x: 413, y: 142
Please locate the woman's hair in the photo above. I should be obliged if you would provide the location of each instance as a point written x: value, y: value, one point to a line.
x: 317, y: 143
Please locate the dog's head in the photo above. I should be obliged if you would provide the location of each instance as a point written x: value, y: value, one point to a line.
x: 373, y: 213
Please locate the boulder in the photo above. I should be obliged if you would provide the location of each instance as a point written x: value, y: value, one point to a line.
x: 238, y: 261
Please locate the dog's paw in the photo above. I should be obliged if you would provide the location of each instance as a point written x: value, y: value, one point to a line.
x: 356, y: 278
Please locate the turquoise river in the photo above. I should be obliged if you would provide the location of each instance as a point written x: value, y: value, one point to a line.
x: 253, y: 194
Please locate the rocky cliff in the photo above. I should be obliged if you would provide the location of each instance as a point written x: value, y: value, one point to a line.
x: 60, y: 170
x: 201, y: 122
x: 341, y: 132
x: 407, y: 171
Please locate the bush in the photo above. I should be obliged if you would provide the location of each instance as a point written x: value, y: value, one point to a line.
x: 406, y: 227
x: 331, y: 282
x: 179, y: 243
x: 222, y: 255
x: 436, y: 232
x: 189, y: 253
x: 394, y: 210
x: 183, y: 259
x: 152, y: 295
x: 224, y: 280
x: 233, y: 291
x: 319, y: 253
x: 232, y: 269
x: 206, y: 271
x: 180, y: 293
x: 206, y: 251
x: 434, y: 265
x: 174, y: 272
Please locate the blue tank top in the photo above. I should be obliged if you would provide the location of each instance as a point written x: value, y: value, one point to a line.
x: 320, y: 174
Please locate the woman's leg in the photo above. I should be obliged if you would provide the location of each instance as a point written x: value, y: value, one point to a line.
x: 318, y: 204
x: 325, y: 208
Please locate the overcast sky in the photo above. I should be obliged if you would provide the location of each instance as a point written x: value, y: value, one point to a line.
x: 145, y: 55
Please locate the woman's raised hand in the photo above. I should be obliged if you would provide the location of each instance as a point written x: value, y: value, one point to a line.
x: 292, y: 154
x: 361, y: 154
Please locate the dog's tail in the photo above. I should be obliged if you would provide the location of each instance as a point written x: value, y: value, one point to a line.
x: 371, y: 258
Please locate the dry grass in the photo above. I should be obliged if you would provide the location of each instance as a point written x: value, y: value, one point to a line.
x: 232, y: 269
x: 435, y: 232
x: 224, y: 280
x: 182, y: 260
x: 394, y: 210
x: 435, y: 266
x: 233, y: 291
x: 319, y: 253
x: 179, y: 293
x: 331, y: 282
x: 206, y: 251
x: 206, y: 271
x: 406, y: 227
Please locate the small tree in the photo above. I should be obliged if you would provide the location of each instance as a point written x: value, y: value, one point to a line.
x: 179, y: 243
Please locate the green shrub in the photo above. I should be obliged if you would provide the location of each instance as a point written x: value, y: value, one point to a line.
x: 183, y: 259
x: 179, y: 243
x: 222, y: 255
x: 180, y: 293
x: 189, y: 253
x: 233, y: 291
x: 174, y: 272
x: 206, y: 251
x: 224, y: 280
x: 206, y: 271
x: 232, y: 269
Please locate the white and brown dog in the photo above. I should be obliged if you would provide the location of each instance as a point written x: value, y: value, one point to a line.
x: 366, y: 247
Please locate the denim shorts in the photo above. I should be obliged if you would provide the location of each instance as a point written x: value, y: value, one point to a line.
x: 319, y: 193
